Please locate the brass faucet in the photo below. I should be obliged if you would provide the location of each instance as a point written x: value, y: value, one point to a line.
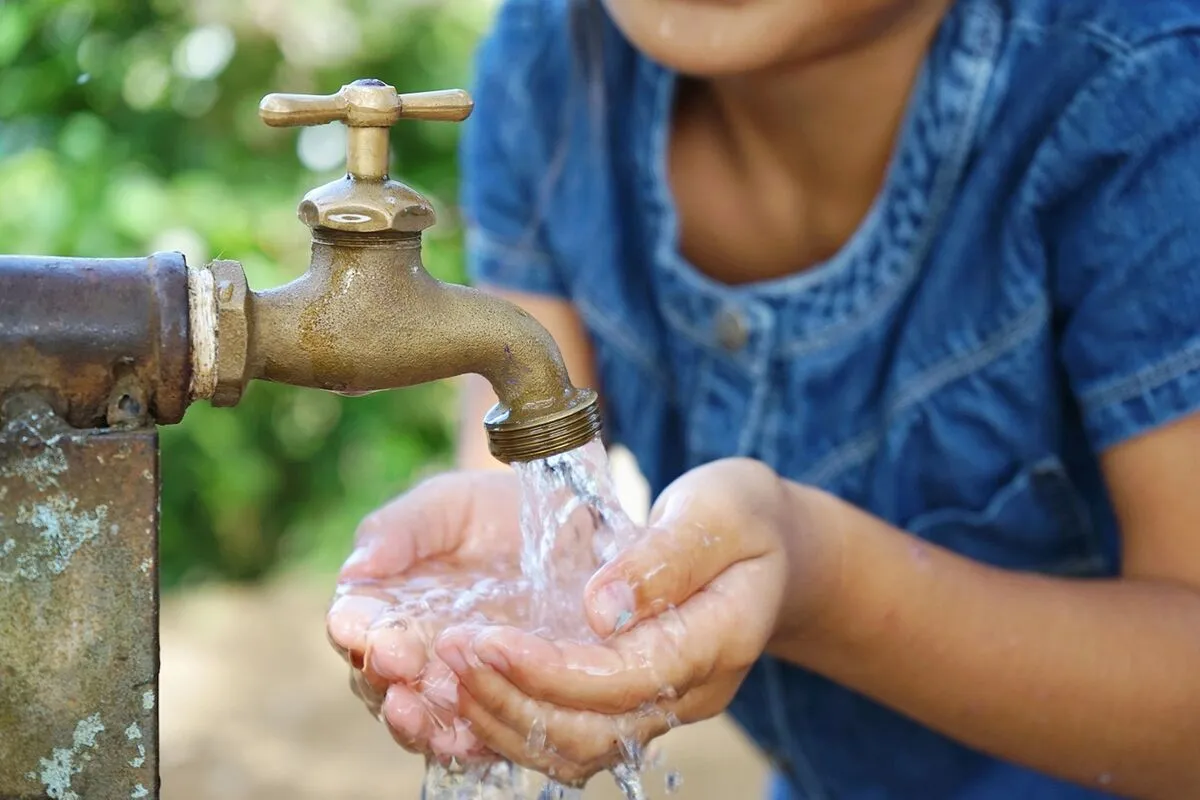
x: 367, y: 315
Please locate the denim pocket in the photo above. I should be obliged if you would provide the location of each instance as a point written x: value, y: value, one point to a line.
x: 1036, y: 522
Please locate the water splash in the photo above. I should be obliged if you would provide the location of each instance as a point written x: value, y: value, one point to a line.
x: 571, y: 523
x: 496, y: 781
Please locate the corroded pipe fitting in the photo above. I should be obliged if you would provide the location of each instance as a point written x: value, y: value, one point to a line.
x: 103, y: 340
x: 219, y: 298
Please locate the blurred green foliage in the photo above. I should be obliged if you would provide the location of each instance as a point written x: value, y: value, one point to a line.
x: 131, y: 127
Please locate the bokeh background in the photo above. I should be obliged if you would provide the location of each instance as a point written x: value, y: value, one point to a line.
x: 130, y: 126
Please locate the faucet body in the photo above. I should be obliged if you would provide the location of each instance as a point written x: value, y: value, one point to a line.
x: 366, y: 315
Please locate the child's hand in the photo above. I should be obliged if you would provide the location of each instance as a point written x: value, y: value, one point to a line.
x: 693, y: 606
x: 440, y: 554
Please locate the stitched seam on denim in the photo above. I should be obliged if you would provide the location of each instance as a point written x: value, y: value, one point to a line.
x: 1087, y: 31
x: 1044, y: 180
x: 752, y: 422
x: 1143, y: 381
x: 696, y: 434
x: 925, y: 385
x: 1078, y: 566
x: 772, y: 429
x: 519, y: 103
x: 683, y: 325
x: 759, y: 371
x: 512, y: 255
x: 943, y: 191
x: 617, y: 338
x: 843, y: 457
x: 923, y: 523
x: 954, y: 368
x: 1107, y: 41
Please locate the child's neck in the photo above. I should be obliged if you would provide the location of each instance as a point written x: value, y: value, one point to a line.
x: 831, y: 120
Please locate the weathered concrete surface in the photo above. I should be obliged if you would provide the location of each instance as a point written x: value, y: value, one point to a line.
x: 78, y: 611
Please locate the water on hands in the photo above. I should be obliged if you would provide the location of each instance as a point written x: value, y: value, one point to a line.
x: 571, y: 522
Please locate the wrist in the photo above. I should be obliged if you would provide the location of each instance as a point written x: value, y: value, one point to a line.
x: 817, y: 549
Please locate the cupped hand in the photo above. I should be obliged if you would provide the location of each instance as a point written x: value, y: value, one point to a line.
x: 687, y: 611
x: 443, y: 553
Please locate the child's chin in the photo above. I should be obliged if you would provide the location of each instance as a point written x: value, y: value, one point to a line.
x: 707, y: 38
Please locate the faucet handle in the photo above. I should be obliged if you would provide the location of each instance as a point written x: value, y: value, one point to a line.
x: 365, y: 200
x: 366, y: 103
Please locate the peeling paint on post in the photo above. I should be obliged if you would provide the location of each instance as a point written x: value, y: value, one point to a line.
x: 78, y: 609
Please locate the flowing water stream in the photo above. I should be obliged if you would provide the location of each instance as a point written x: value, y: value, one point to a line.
x: 571, y: 523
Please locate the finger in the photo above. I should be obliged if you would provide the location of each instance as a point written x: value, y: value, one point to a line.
x: 555, y: 752
x: 584, y: 738
x: 670, y: 563
x: 455, y: 740
x: 427, y: 521
x: 510, y: 745
x: 649, y: 663
x: 407, y: 717
x: 422, y: 725
x: 349, y: 618
x: 439, y: 686
x: 398, y: 647
x: 665, y: 656
x: 523, y: 718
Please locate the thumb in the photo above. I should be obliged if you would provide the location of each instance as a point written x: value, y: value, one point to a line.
x: 681, y: 554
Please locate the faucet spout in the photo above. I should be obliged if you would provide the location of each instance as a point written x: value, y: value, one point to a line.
x: 367, y: 316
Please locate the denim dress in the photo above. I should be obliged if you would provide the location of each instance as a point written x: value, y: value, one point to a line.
x: 1024, y: 294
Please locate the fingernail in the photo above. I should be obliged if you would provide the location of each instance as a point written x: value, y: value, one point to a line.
x: 455, y: 658
x: 361, y: 554
x: 614, y: 604
x: 667, y: 508
x: 491, y: 653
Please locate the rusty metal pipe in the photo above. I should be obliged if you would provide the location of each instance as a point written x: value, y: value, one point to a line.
x: 104, y: 340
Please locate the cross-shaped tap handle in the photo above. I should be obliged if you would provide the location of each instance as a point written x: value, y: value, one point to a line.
x: 368, y: 107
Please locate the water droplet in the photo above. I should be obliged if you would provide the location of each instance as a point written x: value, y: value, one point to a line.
x: 535, y: 742
x: 674, y: 781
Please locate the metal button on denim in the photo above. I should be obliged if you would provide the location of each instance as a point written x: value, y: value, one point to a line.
x: 732, y: 333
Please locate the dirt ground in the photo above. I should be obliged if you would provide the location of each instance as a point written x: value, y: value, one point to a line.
x: 255, y: 704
